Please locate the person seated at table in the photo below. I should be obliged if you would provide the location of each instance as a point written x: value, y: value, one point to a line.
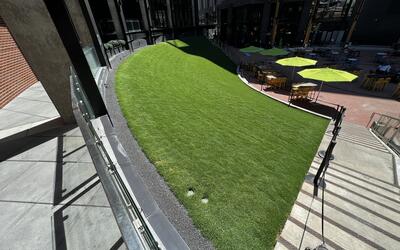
x: 383, y: 69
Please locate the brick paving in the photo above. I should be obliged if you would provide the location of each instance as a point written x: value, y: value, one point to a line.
x: 360, y: 106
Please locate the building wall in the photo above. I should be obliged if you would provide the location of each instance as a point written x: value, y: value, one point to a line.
x: 15, y: 73
x: 379, y: 23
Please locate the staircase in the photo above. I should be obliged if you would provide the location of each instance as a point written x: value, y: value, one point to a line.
x: 361, y: 197
x: 359, y: 135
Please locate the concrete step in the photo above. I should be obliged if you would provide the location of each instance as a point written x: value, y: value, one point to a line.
x: 369, y: 141
x: 358, y: 135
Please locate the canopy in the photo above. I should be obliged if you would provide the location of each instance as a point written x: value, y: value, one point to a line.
x: 327, y: 75
x: 296, y: 61
x: 251, y: 49
x: 274, y: 52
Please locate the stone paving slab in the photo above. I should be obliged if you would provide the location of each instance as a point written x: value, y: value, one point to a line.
x: 25, y: 225
x: 51, y: 197
x: 10, y: 119
x: 30, y: 107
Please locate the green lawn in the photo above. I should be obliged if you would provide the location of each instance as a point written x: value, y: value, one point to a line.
x: 205, y: 130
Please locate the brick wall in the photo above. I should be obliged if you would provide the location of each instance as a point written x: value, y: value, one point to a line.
x: 15, y: 73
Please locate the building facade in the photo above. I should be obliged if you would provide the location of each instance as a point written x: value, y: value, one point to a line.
x: 62, y: 36
x: 300, y: 22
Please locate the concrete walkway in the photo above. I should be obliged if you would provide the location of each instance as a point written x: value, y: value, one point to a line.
x: 51, y: 196
x: 362, y: 198
x: 30, y: 108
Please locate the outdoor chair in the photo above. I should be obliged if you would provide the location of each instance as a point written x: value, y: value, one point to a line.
x: 396, y: 93
x: 277, y: 83
x: 369, y: 82
x: 375, y: 84
x: 300, y: 93
x: 380, y: 84
x: 254, y: 70
x: 354, y: 71
x: 260, y: 76
x: 247, y: 66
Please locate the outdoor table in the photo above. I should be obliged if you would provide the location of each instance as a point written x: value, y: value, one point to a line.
x: 379, y: 57
x: 305, y: 84
x: 302, y: 90
x: 312, y: 55
x: 335, y: 55
x: 351, y: 61
x: 263, y: 67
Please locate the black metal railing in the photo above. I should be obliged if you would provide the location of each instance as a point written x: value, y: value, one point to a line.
x: 327, y: 155
x: 134, y: 229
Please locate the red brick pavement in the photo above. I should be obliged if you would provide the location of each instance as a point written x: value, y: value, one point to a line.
x: 360, y: 103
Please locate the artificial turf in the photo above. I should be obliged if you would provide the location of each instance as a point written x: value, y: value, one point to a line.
x: 205, y: 130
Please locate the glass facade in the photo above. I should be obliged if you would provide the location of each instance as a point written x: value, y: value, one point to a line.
x: 207, y: 12
x: 159, y: 16
x: 182, y: 13
x: 133, y: 15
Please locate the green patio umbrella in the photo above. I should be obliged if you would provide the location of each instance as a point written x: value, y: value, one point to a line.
x: 251, y: 49
x: 274, y: 52
x: 296, y: 62
x: 327, y: 75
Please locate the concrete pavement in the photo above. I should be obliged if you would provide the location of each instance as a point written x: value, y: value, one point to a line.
x: 31, y: 108
x: 51, y: 196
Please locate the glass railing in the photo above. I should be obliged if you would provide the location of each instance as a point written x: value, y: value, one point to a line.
x: 92, y: 59
x: 387, y: 128
x: 133, y: 226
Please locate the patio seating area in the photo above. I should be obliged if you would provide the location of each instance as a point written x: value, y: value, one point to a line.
x: 374, y: 90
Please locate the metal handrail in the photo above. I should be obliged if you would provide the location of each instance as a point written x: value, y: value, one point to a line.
x: 327, y: 155
x: 386, y: 128
x: 380, y: 114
